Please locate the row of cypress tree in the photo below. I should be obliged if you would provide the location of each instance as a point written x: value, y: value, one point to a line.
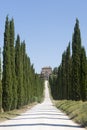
x: 70, y: 79
x: 20, y: 84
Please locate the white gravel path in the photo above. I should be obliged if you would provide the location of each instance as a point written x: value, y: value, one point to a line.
x: 43, y: 116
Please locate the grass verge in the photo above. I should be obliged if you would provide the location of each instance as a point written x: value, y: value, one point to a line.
x: 76, y: 110
x: 11, y: 114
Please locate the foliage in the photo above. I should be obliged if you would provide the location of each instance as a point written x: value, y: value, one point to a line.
x: 12, y: 60
x: 6, y: 81
x: 76, y: 63
x: 0, y: 84
x: 20, y: 84
x: 77, y: 110
x: 71, y: 77
x: 83, y: 79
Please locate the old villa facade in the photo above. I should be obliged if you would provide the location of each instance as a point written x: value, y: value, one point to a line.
x: 46, y: 72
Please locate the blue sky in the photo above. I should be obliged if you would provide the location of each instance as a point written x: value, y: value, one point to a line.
x: 46, y: 26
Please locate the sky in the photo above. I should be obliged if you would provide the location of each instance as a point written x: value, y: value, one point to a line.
x: 46, y: 26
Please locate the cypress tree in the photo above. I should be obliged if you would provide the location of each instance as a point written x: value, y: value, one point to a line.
x: 0, y: 83
x: 0, y: 63
x: 39, y: 88
x: 12, y: 56
x: 64, y: 76
x: 71, y: 81
x: 54, y: 83
x: 86, y: 78
x: 59, y: 83
x: 68, y: 72
x: 18, y: 71
x: 6, y: 81
x: 28, y: 79
x: 20, y: 84
x: 83, y: 79
x: 32, y: 82
x: 21, y: 74
x: 24, y: 72
x: 76, y: 53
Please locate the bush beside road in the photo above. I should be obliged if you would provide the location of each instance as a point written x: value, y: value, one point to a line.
x: 77, y: 110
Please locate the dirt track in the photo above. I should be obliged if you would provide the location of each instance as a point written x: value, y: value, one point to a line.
x: 43, y: 116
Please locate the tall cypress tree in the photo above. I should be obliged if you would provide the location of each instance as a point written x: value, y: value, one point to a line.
x: 20, y: 84
x: 25, y: 76
x: 0, y: 83
x: 86, y: 78
x: 19, y: 72
x: 0, y: 63
x: 17, y: 68
x: 28, y: 83
x: 72, y: 72
x: 83, y: 79
x: 6, y: 84
x: 64, y: 96
x: 59, y: 83
x: 68, y: 72
x: 76, y: 53
x: 12, y: 56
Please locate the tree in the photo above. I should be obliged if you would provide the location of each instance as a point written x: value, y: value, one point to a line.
x: 0, y: 63
x: 64, y: 95
x: 18, y: 70
x: 76, y: 63
x: 12, y: 60
x: 83, y: 79
x: 23, y: 55
x: 27, y: 80
x: 59, y: 83
x: 0, y: 83
x: 53, y: 85
x: 71, y: 81
x: 68, y: 72
x: 6, y: 81
x: 22, y: 61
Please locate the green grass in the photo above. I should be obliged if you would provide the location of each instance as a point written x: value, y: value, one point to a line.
x: 77, y: 110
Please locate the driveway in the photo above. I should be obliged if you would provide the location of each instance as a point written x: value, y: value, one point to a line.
x: 43, y: 116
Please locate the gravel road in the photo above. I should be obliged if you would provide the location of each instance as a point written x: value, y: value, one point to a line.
x: 43, y: 116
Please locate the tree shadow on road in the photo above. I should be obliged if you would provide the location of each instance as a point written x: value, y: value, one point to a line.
x: 42, y: 117
x: 41, y: 124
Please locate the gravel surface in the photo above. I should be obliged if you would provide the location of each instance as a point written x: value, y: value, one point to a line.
x: 43, y: 116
